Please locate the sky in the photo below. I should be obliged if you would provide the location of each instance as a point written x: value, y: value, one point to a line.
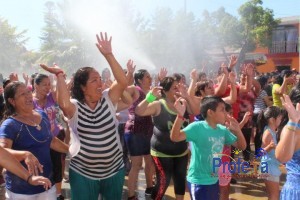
x: 28, y: 14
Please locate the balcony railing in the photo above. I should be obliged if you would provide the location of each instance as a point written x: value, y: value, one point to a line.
x: 284, y: 47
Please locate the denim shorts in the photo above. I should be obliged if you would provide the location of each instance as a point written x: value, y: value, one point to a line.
x: 137, y: 144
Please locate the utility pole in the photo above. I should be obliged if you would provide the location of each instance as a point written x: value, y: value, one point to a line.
x: 185, y: 7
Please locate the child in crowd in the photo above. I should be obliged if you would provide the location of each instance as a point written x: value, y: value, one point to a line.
x: 225, y: 176
x: 208, y: 138
x: 269, y: 121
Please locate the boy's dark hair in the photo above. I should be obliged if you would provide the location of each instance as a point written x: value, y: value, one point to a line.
x: 228, y: 107
x: 209, y: 103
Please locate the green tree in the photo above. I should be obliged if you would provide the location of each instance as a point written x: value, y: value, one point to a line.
x: 62, y: 42
x: 172, y: 40
x: 221, y: 30
x: 258, y: 23
x: 13, y: 50
x: 253, y: 28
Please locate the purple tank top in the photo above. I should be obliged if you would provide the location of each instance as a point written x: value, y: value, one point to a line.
x: 51, y: 110
x: 137, y: 124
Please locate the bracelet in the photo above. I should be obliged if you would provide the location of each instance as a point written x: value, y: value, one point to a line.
x: 181, y: 117
x: 150, y: 97
x: 291, y: 129
x: 294, y: 124
x: 29, y: 177
x: 59, y: 72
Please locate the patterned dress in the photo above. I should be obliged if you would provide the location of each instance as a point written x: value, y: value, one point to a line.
x: 291, y: 188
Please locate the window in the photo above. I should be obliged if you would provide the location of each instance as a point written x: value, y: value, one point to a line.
x: 284, y: 40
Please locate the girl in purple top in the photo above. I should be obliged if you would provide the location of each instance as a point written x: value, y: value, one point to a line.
x: 44, y: 99
x: 138, y: 132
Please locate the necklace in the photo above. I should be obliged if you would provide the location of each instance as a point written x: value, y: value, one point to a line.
x: 39, y: 141
x: 37, y: 126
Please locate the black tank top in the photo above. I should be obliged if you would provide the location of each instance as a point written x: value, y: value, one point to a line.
x: 163, y: 124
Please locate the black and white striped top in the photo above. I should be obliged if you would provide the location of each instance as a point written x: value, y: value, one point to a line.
x: 100, y: 153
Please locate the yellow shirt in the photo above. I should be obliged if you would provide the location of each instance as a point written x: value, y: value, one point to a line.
x: 276, y: 97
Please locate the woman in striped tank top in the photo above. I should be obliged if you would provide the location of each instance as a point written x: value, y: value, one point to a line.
x: 96, y: 166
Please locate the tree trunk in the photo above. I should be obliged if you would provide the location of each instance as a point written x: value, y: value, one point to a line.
x: 241, y: 58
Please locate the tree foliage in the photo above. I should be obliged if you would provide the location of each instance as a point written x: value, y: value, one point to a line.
x: 13, y: 51
x: 174, y: 40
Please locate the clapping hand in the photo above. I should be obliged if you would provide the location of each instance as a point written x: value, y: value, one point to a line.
x: 294, y: 112
x: 272, y: 145
x: 232, y: 124
x: 247, y: 116
x: 180, y: 105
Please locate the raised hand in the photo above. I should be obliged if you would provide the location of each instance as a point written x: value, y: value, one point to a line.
x: 13, y: 77
x: 180, y: 105
x: 294, y: 113
x: 182, y: 91
x: 156, y: 91
x: 104, y: 44
x: 130, y: 67
x: 194, y: 75
x: 289, y: 80
x: 162, y: 73
x: 233, y: 124
x: 224, y: 69
x: 247, y: 116
x: 232, y: 77
x: 107, y: 84
x: 249, y: 70
x: 53, y: 70
x: 33, y: 165
x: 232, y: 62
x: 25, y: 77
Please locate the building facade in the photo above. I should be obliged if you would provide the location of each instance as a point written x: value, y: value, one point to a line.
x: 284, y: 51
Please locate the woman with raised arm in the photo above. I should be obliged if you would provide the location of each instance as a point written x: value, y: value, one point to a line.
x: 96, y: 166
x: 288, y: 148
x: 26, y: 134
x: 44, y: 98
x: 170, y: 158
x: 138, y: 132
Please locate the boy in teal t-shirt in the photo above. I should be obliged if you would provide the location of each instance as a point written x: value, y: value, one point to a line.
x: 208, y: 138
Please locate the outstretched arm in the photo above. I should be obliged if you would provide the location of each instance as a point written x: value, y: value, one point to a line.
x: 116, y: 89
x: 235, y: 129
x: 8, y: 162
x: 177, y: 134
x: 149, y: 106
x: 222, y: 86
x: 62, y: 93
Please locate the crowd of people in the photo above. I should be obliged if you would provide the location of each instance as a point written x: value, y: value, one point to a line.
x: 110, y: 124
